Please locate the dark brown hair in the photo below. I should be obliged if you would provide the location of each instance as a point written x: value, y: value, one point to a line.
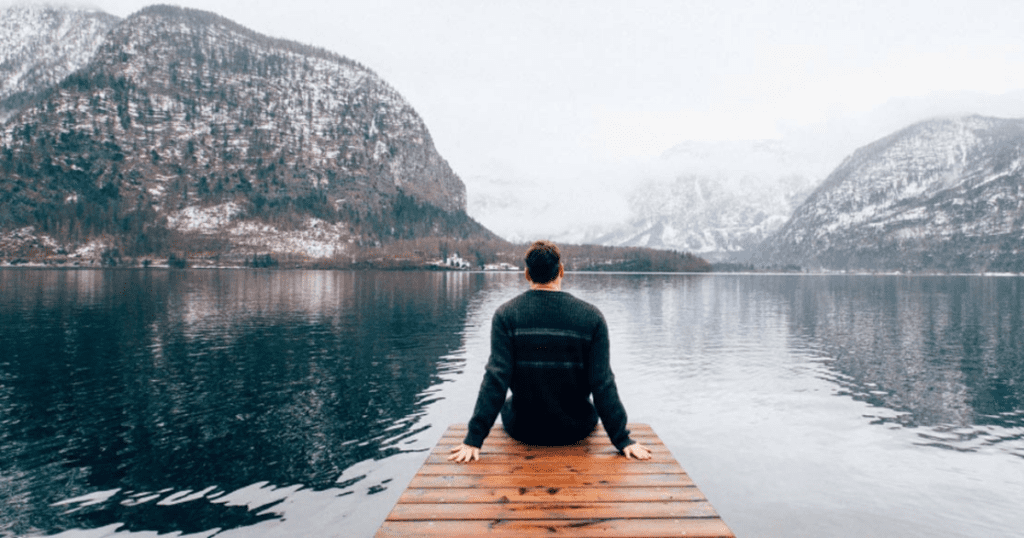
x: 542, y: 261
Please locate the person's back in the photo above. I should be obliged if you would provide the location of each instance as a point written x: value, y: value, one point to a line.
x: 552, y: 350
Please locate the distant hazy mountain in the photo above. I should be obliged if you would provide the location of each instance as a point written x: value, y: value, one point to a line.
x: 723, y: 198
x: 183, y: 121
x: 944, y: 194
x: 39, y: 46
x: 716, y: 217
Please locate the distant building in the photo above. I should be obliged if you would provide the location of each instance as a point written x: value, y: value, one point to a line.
x: 500, y: 267
x: 456, y: 261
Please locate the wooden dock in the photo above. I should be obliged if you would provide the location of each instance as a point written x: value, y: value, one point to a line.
x: 583, y: 490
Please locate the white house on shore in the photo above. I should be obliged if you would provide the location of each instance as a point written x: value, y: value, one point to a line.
x: 456, y: 261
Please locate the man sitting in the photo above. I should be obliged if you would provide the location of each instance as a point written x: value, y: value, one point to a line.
x: 552, y: 350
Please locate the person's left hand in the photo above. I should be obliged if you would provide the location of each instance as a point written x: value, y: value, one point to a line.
x: 464, y: 454
x: 637, y: 451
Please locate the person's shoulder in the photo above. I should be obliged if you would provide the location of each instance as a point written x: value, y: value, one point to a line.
x: 567, y: 296
x: 531, y: 300
x: 512, y: 304
x: 581, y: 306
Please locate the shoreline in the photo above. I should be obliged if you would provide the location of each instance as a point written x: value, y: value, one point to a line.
x: 359, y: 267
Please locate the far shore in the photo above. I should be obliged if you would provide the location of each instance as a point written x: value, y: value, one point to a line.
x: 405, y: 265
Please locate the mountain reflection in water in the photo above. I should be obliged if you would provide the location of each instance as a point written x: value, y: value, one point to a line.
x: 945, y: 354
x: 118, y: 388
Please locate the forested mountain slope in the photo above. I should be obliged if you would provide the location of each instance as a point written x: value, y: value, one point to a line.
x: 184, y: 122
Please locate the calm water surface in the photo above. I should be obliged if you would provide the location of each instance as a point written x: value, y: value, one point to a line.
x: 260, y: 403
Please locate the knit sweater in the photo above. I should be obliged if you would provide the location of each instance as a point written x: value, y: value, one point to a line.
x: 551, y: 349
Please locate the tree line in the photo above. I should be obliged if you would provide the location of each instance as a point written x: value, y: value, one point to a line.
x: 481, y: 252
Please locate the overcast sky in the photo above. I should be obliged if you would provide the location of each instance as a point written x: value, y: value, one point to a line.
x: 558, y: 91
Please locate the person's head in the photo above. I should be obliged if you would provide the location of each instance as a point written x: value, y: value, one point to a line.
x: 543, y: 262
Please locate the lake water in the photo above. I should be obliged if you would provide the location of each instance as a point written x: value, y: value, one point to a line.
x: 301, y: 403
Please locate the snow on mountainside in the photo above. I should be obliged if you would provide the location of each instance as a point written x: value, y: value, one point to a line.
x: 181, y: 113
x: 723, y: 199
x: 714, y: 216
x: 39, y: 46
x: 944, y: 194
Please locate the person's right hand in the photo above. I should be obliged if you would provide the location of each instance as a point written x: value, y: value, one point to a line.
x: 637, y: 451
x: 464, y: 454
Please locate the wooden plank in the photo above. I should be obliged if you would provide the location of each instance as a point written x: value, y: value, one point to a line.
x: 577, y: 466
x: 550, y: 494
x: 579, y: 510
x: 587, y: 489
x: 611, y: 528
x: 525, y: 450
x: 594, y: 440
x: 550, y: 480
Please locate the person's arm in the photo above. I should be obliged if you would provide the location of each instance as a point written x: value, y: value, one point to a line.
x: 497, y: 376
x: 606, y: 394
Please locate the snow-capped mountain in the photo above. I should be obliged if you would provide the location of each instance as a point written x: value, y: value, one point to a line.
x: 182, y: 120
x: 943, y: 194
x: 722, y: 198
x: 39, y: 46
x: 715, y: 216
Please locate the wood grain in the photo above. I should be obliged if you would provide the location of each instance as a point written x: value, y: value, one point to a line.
x: 587, y: 489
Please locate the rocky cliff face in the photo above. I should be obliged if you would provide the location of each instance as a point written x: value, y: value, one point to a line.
x: 40, y: 46
x: 181, y: 113
x: 945, y: 194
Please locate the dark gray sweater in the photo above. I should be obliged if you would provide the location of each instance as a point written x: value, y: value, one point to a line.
x: 551, y: 349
